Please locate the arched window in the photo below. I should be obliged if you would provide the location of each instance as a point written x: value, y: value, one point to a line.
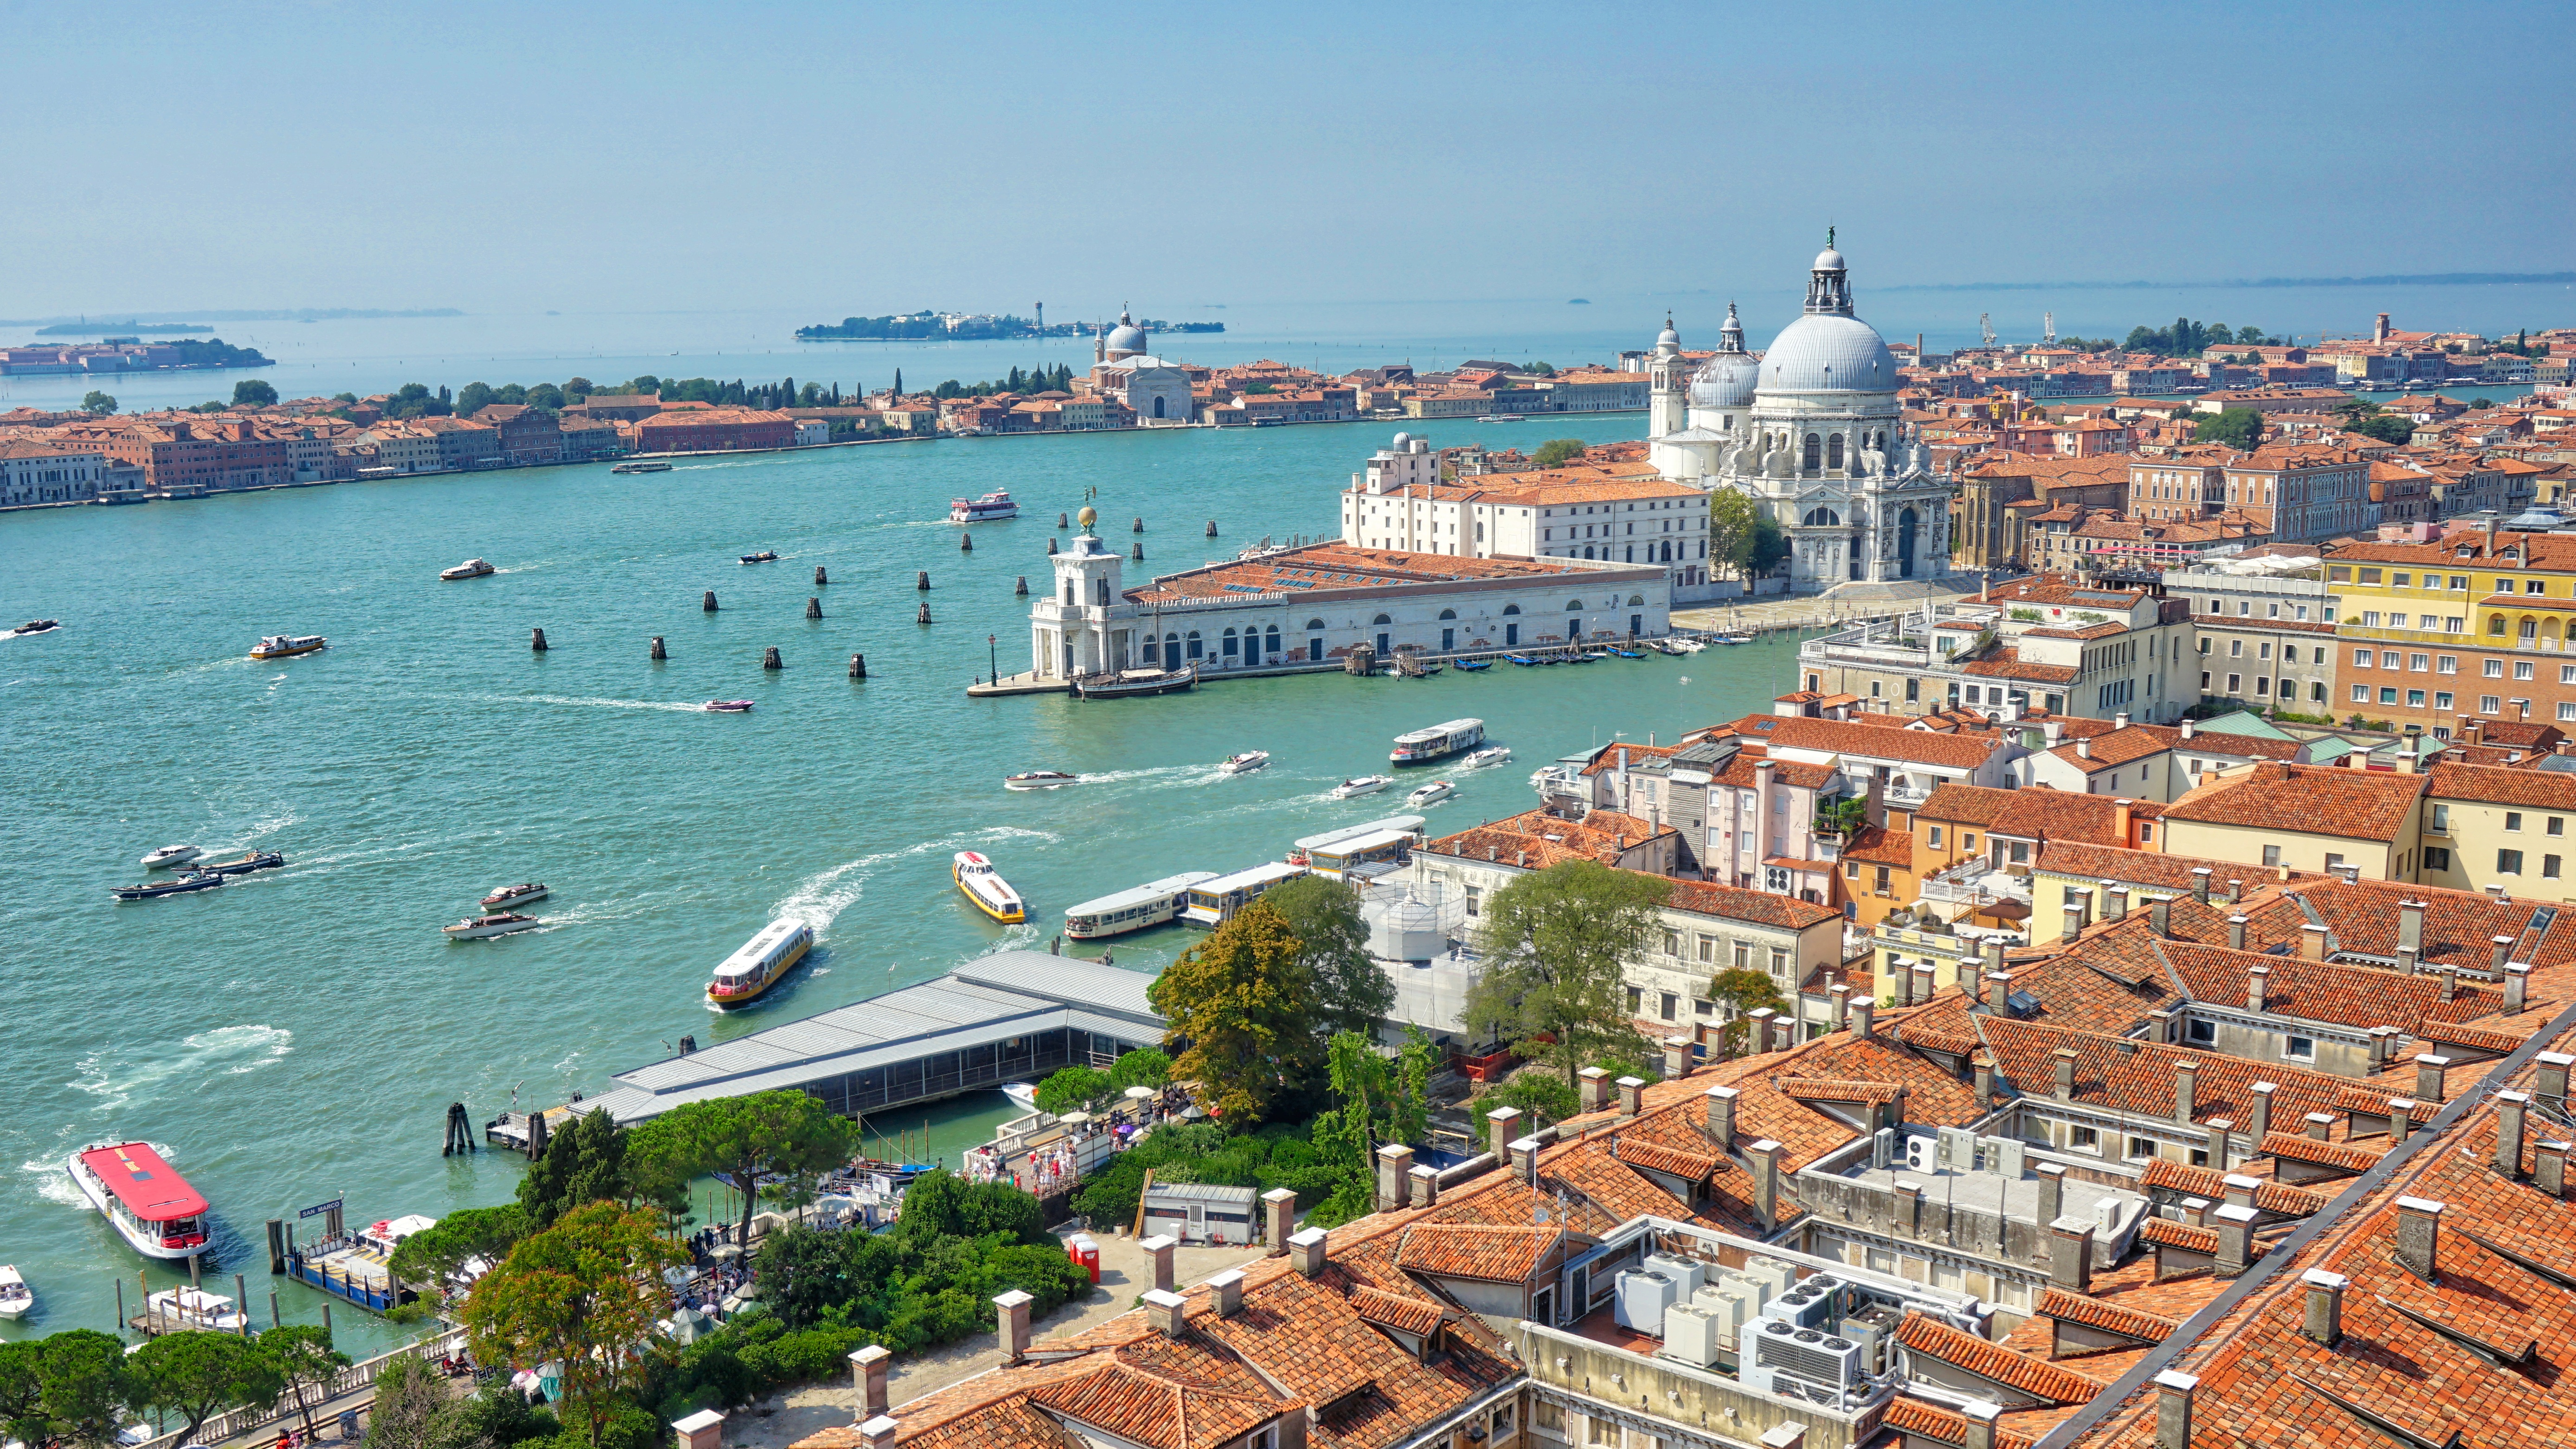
x: 1312, y: 624
x: 1574, y: 606
x: 1511, y: 608
x: 1448, y: 613
x: 1230, y: 643
x: 1271, y: 640
x: 1834, y: 451
x: 1821, y: 518
x: 1815, y: 450
x: 1587, y: 550
x: 1381, y: 619
x: 1158, y: 407
x: 1197, y: 650
x: 1638, y: 601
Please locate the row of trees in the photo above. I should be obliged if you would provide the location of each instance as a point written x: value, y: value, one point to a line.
x: 1058, y: 378
x: 82, y: 1387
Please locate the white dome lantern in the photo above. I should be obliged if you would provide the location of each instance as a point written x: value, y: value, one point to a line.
x: 1727, y: 380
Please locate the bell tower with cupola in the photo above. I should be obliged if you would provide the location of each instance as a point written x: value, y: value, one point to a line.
x: 1666, y: 394
x: 1073, y: 633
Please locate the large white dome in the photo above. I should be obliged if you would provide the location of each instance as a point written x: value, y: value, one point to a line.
x: 1823, y: 352
x: 1126, y: 336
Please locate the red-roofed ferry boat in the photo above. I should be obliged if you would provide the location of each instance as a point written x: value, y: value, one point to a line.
x: 147, y: 1199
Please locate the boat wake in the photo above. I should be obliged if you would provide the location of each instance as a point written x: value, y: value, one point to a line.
x: 1157, y: 777
x: 118, y: 1078
x: 54, y: 1183
x: 589, y: 703
x: 819, y: 899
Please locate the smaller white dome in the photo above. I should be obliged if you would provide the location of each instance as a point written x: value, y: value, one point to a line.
x: 1726, y: 381
x: 1668, y: 337
x: 1828, y: 260
x: 1401, y: 439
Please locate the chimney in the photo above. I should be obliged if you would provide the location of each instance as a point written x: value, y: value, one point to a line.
x: 2221, y: 1129
x: 2235, y: 890
x: 2120, y: 823
x: 2186, y: 1089
x: 1677, y: 1058
x: 1905, y: 1208
x: 2173, y: 1409
x: 2517, y: 985
x: 879, y: 1432
x: 1999, y: 989
x: 2261, y: 1126
x: 1501, y: 1125
x: 2503, y: 948
x: 2070, y: 1254
x: 2160, y: 1026
x: 2428, y: 1076
x: 1280, y: 1204
x: 2160, y: 916
x: 1841, y: 995
x: 1721, y: 1116
x: 1972, y: 978
x: 1984, y: 1067
x: 2549, y: 1168
x: 1595, y: 1085
x: 2115, y: 902
x: 2200, y: 875
x: 1632, y: 1096
x: 1306, y: 1251
x: 1860, y: 1013
x: 1765, y: 1156
x: 1426, y: 1185
x: 1981, y: 1417
x: 2552, y: 1083
x: 2074, y: 920
x: 2319, y: 1124
x: 1923, y: 986
x: 2235, y: 1226
x: 2401, y: 1119
x: 1394, y: 1160
x: 2084, y: 747
x: 2256, y: 978
x: 2065, y: 1060
x: 1013, y: 1314
x: 2240, y: 1189
x: 1757, y: 1032
x: 2195, y: 1211
x: 1994, y: 957
x: 1159, y: 1248
x: 868, y: 1368
x: 2053, y: 729
x: 1227, y: 1290
x: 2052, y: 1190
x: 701, y: 1430
x: 1525, y: 1160
x: 1169, y: 1312
x: 2510, y: 1107
x: 2236, y: 933
x: 2419, y: 1236
x: 2312, y: 942
x: 2450, y: 975
x: 2187, y: 729
x: 2324, y: 1323
x: 2410, y: 926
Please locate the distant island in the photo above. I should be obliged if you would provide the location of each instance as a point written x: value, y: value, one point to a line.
x: 134, y: 321
x: 126, y: 353
x: 1578, y: 301
x: 966, y: 327
x: 134, y: 329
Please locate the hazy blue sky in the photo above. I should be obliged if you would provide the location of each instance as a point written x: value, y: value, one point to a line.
x: 866, y: 158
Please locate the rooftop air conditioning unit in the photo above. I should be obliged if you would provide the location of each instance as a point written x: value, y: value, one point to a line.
x: 1778, y: 1274
x: 1808, y: 1357
x: 1732, y: 1304
x: 1687, y: 1273
x: 1642, y: 1299
x: 1873, y: 1328
x: 1802, y: 1309
x: 1692, y: 1335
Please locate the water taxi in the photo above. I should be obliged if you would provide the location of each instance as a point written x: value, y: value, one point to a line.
x: 1304, y: 852
x: 764, y: 556
x: 648, y: 466
x: 287, y: 646
x: 1488, y: 756
x: 1431, y: 794
x: 15, y: 1296
x: 197, y: 880
x: 171, y: 855
x: 1245, y: 763
x: 993, y: 505
x: 177, y: 1310
x: 1039, y: 780
x: 38, y: 626
x: 1440, y: 741
x: 1132, y: 683
x: 1214, y: 902
x: 984, y: 886
x: 508, y: 896
x: 759, y: 963
x: 727, y: 706
x: 1364, y: 785
x: 1021, y: 1095
x: 152, y: 1206
x: 245, y: 863
x: 498, y: 923
x: 1500, y: 418
x: 1151, y: 904
x: 472, y: 568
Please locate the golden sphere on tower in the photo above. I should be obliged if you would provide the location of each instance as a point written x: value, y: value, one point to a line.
x: 1087, y: 517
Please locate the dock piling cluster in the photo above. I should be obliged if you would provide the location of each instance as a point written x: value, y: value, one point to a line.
x: 813, y: 608
x: 965, y: 543
x: 819, y: 579
x: 710, y: 604
x: 858, y: 666
x: 1023, y: 590
x: 1211, y: 528
x: 658, y: 651
x: 537, y: 640
x: 921, y: 580
x: 1140, y: 552
x: 1051, y: 548
x: 769, y: 658
x: 923, y: 617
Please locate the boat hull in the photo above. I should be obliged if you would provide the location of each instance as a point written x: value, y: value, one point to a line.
x: 1113, y: 686
x: 1004, y: 906
x: 288, y: 653
x: 484, y: 933
x: 505, y: 900
x: 1037, y: 782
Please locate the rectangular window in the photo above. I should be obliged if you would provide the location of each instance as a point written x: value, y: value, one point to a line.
x: 2522, y: 669
x: 2441, y: 819
x: 1779, y: 961
x: 2418, y: 663
x: 2492, y: 669
x: 2299, y: 1048
x: 2271, y: 855
x: 2364, y: 658
x: 2141, y: 1149
x: 2361, y: 694
x: 1636, y: 1000
x: 2549, y: 867
x: 2415, y: 699
x: 1671, y: 1006
x: 2490, y: 704
x: 1708, y: 950
x: 1743, y: 957
x: 2508, y: 862
x: 2437, y: 857
x: 1936, y: 837
x: 2447, y: 664
x: 2083, y: 1139
x: 1672, y: 943
x: 2442, y: 700
x: 2202, y: 1033
x: 1475, y: 896
x: 2387, y: 696
x: 2459, y: 581
x: 2513, y: 820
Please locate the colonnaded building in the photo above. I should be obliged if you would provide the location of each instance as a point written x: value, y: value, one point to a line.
x: 1305, y: 605
x: 1811, y: 431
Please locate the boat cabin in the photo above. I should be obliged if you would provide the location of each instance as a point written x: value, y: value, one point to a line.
x: 1213, y: 903
x: 148, y: 1198
x: 1334, y: 861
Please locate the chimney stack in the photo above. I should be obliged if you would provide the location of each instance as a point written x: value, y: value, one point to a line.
x: 2324, y: 1323
x: 2319, y: 1124
x: 2419, y: 1237
x: 2549, y: 1168
x: 2074, y: 920
x: 2070, y: 1254
x: 2552, y: 1081
x: 2450, y: 980
x: 2084, y: 747
x: 2428, y: 1076
x: 2052, y: 1190
x: 1280, y: 1206
x: 1426, y: 1185
x: 2160, y: 916
x: 1227, y: 1289
x: 2517, y: 986
x: 2235, y: 1226
x: 2236, y: 933
x: 2401, y: 1119
x: 2256, y: 978
x: 1169, y: 1312
x: 1158, y: 1249
x: 2116, y: 901
x: 2410, y: 926
x: 2200, y: 875
x: 1501, y: 1126
x: 2510, y: 1107
x: 1922, y: 992
x: 1632, y: 1096
x: 2503, y: 948
x: 1765, y: 1156
x: 701, y: 1430
x: 2064, y: 1058
x: 1721, y: 1116
x: 1984, y: 1067
x: 2261, y: 1126
x: 879, y: 1432
x: 2173, y: 1409
x: 1757, y: 1031
x: 1013, y: 1316
x: 1861, y: 1008
x: 1306, y: 1251
x: 1981, y: 1416
x: 2186, y: 1089
x: 1525, y: 1160
x: 1842, y: 996
x: 868, y: 1368
x: 1677, y: 1058
x: 2312, y: 942
x: 2235, y: 891
x: 1394, y: 1161
x: 1594, y: 1084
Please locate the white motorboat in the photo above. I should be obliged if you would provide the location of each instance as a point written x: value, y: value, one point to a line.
x: 983, y: 885
x: 472, y: 568
x: 1039, y: 780
x: 287, y: 646
x: 1431, y: 794
x: 174, y: 1309
x: 993, y: 505
x: 1686, y: 646
x: 170, y: 855
x: 1022, y: 1095
x: 1364, y: 785
x: 727, y: 706
x: 1245, y: 763
x: 1487, y: 757
x: 15, y: 1296
x: 508, y: 896
x: 499, y: 923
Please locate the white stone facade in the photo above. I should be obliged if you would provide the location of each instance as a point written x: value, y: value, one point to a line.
x: 34, y: 473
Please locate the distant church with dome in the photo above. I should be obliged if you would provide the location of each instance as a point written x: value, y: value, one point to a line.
x: 1157, y: 391
x: 1810, y: 430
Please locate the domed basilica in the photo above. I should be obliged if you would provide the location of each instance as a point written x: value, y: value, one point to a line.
x: 1811, y: 431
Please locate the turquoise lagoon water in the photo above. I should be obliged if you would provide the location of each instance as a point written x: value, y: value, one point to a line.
x: 298, y: 1035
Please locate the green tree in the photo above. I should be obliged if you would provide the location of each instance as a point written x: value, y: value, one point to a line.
x: 474, y: 397
x: 301, y: 1356
x: 1541, y: 369
x: 948, y: 1206
x: 22, y: 1392
x: 1744, y: 992
x: 1553, y: 943
x: 439, y: 1253
x: 787, y: 1138
x: 1072, y: 1089
x: 1770, y: 548
x: 84, y: 1388
x: 1381, y: 1100
x: 1351, y: 993
x: 546, y: 395
x: 587, y: 1162
x: 97, y: 404
x: 411, y: 1410
x: 577, y: 388
x: 511, y: 393
x: 1557, y: 452
x: 1240, y: 1007
x: 1542, y: 1098
x: 1143, y: 1067
x: 197, y: 1374
x: 1731, y: 517
x: 2387, y: 428
x: 2238, y: 428
x: 252, y: 392
x: 581, y: 1294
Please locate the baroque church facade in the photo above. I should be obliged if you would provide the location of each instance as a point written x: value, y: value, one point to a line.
x: 1810, y: 431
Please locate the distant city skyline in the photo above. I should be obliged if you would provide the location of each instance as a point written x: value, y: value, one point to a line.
x: 858, y: 162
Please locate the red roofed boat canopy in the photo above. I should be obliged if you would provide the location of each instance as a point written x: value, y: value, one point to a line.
x: 144, y: 1196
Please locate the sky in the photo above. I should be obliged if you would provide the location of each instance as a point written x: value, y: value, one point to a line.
x: 856, y: 158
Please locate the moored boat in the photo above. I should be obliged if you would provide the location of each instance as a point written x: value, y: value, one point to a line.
x: 245, y: 863
x: 1627, y: 653
x: 498, y: 923
x: 152, y: 1207
x: 287, y: 646
x: 645, y: 466
x: 175, y: 1310
x: 1363, y: 785
x: 15, y: 1296
x: 759, y: 963
x: 1132, y: 683
x: 993, y: 505
x: 508, y: 896
x: 1021, y: 1095
x: 169, y: 855
x: 1245, y: 763
x: 764, y: 556
x: 472, y: 568
x: 38, y: 626
x: 1488, y: 756
x: 979, y: 882
x: 727, y: 706
x: 1421, y: 747
x: 1472, y: 665
x: 1213, y: 902
x: 1150, y: 904
x: 1039, y: 780
x: 193, y: 881
x: 1431, y: 794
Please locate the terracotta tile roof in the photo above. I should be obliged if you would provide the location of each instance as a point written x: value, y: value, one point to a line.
x: 1476, y: 1250
x: 2496, y: 785
x: 2459, y: 926
x: 1921, y: 747
x: 2272, y: 1197
x: 2297, y: 1148
x: 1535, y: 840
x: 2452, y: 1033
x: 2353, y: 804
x: 1657, y: 1157
x: 2165, y: 1232
x: 1825, y: 1089
x: 2128, y: 1322
x: 1337, y: 567
x: 1618, y: 1192
x: 1876, y: 845
x: 2109, y: 752
x: 1404, y: 1315
x: 2005, y: 663
x: 2155, y: 870
x: 1953, y: 803
x: 2373, y: 1100
x: 2137, y: 1077
x: 2040, y: 813
x: 1931, y: 1337
x: 1736, y: 903
x: 2362, y: 996
x: 2089, y: 631
x: 1920, y: 1421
